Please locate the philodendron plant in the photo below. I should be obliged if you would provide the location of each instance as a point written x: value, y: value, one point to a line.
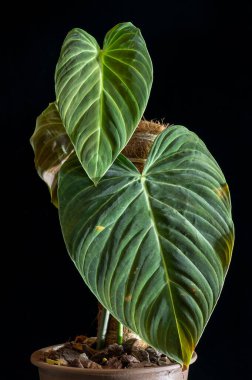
x: 153, y: 246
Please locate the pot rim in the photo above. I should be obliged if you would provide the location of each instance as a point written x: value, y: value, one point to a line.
x: 36, y: 360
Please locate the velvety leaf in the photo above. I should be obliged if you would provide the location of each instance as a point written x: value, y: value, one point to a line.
x: 153, y: 247
x: 102, y: 93
x: 51, y: 146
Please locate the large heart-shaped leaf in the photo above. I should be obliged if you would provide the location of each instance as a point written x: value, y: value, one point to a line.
x: 102, y: 93
x: 51, y: 146
x: 153, y: 247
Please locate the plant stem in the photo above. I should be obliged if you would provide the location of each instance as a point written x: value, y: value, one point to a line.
x: 120, y: 333
x: 102, y: 329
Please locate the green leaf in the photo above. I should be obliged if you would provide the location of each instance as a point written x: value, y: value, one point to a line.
x: 153, y: 247
x: 102, y: 93
x: 51, y: 147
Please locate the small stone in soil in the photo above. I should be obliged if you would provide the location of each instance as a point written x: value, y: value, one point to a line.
x: 70, y: 356
x: 115, y: 350
x: 154, y: 355
x: 84, y: 359
x: 99, y: 356
x: 131, y: 344
x: 76, y: 363
x: 164, y: 361
x: 87, y: 363
x: 94, y: 365
x: 141, y: 355
x: 114, y: 362
x: 127, y: 359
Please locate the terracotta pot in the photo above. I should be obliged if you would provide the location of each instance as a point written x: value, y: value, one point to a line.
x: 54, y: 372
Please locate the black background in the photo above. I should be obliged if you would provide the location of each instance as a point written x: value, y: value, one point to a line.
x: 202, y: 79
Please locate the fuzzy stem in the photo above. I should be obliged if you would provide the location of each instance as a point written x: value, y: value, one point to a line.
x: 120, y: 333
x: 102, y: 329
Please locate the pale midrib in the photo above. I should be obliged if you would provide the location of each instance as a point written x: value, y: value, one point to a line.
x: 146, y: 193
x: 100, y: 109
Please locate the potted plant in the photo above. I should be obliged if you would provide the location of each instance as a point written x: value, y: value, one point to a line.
x: 144, y: 209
